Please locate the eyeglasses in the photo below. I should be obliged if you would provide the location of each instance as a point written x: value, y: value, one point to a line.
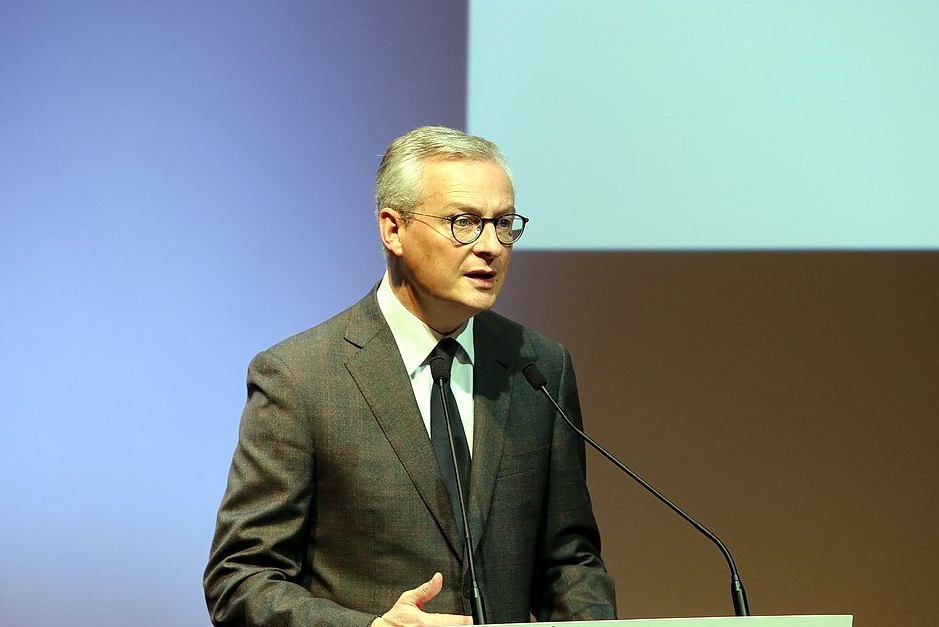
x: 467, y: 227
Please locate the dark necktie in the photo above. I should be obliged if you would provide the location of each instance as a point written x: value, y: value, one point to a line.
x: 438, y: 434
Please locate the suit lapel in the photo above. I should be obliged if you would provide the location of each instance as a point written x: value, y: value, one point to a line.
x: 492, y: 392
x: 380, y: 375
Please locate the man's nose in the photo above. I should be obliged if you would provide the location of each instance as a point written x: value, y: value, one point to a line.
x: 488, y: 242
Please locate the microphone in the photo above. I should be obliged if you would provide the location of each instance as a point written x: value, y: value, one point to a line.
x: 440, y: 371
x: 538, y: 381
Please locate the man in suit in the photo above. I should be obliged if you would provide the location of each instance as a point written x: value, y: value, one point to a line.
x: 338, y: 512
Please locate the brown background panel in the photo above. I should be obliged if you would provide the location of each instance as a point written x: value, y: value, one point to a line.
x: 789, y: 401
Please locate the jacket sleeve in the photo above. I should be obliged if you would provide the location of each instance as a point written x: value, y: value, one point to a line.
x: 254, y: 575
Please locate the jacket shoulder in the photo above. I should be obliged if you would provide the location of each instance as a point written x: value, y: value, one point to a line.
x: 335, y: 336
x: 531, y: 346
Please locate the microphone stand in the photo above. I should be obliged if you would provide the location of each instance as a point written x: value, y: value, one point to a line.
x: 739, y: 596
x: 475, y: 597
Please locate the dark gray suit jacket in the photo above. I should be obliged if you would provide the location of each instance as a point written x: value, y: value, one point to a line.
x: 335, y: 504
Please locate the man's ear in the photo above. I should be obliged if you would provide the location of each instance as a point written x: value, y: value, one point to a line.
x: 389, y: 227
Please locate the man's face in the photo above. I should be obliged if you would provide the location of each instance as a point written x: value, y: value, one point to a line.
x: 444, y: 282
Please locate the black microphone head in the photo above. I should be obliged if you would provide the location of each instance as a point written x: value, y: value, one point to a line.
x: 439, y: 369
x: 534, y: 376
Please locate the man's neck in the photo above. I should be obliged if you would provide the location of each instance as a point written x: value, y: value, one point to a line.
x: 442, y: 322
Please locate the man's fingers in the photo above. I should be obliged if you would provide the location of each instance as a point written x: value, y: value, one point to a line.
x: 445, y: 620
x: 409, y: 610
x: 424, y: 592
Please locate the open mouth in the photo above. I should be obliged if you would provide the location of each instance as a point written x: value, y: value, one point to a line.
x: 482, y: 275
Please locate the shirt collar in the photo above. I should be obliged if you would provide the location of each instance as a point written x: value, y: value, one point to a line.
x: 415, y: 339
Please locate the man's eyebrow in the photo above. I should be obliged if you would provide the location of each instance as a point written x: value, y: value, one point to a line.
x: 458, y: 208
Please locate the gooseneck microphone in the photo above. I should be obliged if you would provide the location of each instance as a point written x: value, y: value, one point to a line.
x: 440, y: 371
x: 537, y: 380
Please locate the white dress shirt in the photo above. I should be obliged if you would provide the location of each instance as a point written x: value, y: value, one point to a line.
x: 415, y: 341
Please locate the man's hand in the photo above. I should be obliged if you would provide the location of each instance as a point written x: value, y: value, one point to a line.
x: 409, y: 610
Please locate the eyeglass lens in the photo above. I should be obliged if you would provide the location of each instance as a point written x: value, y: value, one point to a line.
x: 468, y: 227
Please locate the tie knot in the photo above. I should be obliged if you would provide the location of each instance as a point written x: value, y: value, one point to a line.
x: 441, y: 358
x: 446, y: 349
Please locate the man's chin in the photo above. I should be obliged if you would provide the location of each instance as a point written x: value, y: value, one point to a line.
x: 469, y: 306
x: 478, y: 305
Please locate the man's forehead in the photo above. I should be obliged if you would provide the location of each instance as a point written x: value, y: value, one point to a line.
x: 457, y: 163
x: 455, y: 173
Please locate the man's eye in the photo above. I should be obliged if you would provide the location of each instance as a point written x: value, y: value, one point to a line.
x: 504, y: 223
x: 462, y: 222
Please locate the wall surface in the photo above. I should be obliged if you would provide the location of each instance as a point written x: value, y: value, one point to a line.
x: 787, y: 400
x: 182, y: 184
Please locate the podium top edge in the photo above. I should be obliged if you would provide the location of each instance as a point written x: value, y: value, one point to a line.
x: 807, y: 620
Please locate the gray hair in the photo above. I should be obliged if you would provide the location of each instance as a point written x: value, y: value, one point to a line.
x: 399, y: 182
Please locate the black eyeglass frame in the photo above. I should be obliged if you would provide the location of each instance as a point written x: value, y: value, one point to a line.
x: 482, y: 224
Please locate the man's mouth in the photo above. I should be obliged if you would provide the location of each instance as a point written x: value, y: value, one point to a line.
x: 486, y: 275
x: 482, y: 278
